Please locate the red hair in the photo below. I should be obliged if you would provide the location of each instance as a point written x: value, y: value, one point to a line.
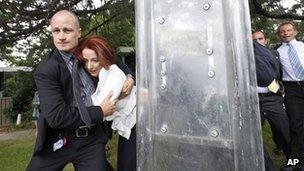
x: 102, y: 48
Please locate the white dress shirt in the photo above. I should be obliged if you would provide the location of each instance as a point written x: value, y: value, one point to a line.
x: 288, y: 73
x: 124, y: 117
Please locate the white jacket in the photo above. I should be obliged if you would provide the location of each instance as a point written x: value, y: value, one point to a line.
x: 124, y: 117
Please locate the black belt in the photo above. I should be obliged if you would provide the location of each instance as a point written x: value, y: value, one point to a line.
x: 81, y: 132
x: 267, y: 94
x: 300, y: 83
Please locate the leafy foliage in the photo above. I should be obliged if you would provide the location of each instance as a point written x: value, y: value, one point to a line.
x: 20, y: 88
x: 266, y: 15
x: 116, y: 24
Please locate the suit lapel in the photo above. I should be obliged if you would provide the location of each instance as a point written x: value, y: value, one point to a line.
x: 64, y: 75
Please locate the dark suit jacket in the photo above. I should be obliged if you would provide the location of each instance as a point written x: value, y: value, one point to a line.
x: 267, y: 66
x: 55, y: 88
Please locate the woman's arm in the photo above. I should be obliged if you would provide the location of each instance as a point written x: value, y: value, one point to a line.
x: 111, y: 80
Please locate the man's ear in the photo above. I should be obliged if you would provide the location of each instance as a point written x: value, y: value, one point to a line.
x: 79, y: 31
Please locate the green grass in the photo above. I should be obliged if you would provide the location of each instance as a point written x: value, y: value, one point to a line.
x: 15, y: 154
x: 112, y: 153
x: 22, y: 126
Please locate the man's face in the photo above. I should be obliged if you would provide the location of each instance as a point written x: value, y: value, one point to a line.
x: 65, y: 31
x: 259, y: 37
x: 287, y: 33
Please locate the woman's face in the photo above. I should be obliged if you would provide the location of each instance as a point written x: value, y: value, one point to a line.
x: 92, y: 63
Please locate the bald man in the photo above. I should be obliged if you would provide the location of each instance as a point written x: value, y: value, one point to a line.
x: 70, y: 128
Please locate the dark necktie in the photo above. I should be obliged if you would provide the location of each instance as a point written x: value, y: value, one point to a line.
x: 295, y: 62
x: 76, y: 91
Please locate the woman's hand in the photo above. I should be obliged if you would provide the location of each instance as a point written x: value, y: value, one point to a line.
x: 127, y: 87
x: 107, y: 105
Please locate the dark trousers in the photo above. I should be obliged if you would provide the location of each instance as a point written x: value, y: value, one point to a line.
x: 86, y: 153
x: 294, y: 101
x: 269, y: 166
x: 272, y: 108
x: 276, y: 138
x: 126, y: 154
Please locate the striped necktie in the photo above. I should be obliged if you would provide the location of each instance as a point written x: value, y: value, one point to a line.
x: 71, y: 63
x: 295, y: 62
x: 84, y: 114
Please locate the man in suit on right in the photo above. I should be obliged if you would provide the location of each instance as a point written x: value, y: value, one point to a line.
x: 292, y: 61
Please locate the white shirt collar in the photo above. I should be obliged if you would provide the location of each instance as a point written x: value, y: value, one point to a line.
x: 291, y: 42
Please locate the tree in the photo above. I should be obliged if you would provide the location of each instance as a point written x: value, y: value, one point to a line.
x: 266, y: 15
x: 275, y: 9
x: 23, y: 25
x: 20, y: 88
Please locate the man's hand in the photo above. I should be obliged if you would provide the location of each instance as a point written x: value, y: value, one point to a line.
x: 107, y: 105
x: 127, y: 87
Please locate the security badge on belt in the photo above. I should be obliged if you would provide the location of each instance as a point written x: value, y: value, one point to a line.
x: 59, y: 144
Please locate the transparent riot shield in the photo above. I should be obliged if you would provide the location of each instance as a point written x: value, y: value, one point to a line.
x: 197, y: 101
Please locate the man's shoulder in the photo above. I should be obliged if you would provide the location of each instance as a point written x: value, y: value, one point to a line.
x: 53, y: 57
x: 260, y: 49
x: 49, y: 63
x: 277, y: 46
x: 299, y: 42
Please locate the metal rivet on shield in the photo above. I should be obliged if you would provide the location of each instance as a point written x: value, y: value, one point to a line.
x: 164, y: 129
x: 209, y: 51
x: 162, y: 59
x: 206, y: 6
x: 214, y: 133
x: 161, y: 20
x: 211, y: 73
x: 163, y: 86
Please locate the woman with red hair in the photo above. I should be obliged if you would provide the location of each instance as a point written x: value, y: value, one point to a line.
x: 98, y: 58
